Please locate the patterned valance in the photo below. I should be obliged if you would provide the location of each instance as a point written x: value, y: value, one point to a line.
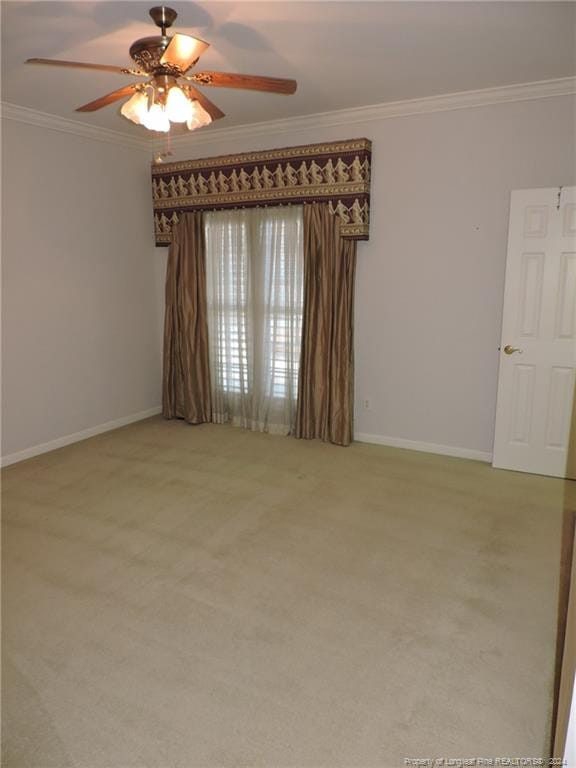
x: 337, y: 173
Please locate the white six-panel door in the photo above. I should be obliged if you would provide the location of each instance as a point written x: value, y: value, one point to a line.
x: 538, y: 346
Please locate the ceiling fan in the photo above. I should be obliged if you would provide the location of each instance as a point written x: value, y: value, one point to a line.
x: 164, y: 98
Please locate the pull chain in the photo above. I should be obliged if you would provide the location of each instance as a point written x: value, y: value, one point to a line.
x: 159, y: 156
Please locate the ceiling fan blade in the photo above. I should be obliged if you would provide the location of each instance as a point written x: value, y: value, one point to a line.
x: 249, y: 82
x: 83, y: 65
x: 208, y: 105
x: 183, y: 51
x: 110, y: 98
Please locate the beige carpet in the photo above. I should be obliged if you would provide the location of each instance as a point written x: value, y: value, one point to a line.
x: 194, y: 597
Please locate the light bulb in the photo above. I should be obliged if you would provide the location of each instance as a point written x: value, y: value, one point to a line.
x: 178, y: 105
x: 199, y: 117
x: 135, y: 108
x: 156, y: 120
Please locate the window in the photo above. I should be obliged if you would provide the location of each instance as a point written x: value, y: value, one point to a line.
x: 254, y: 261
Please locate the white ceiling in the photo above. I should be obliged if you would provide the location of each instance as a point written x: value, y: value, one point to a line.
x: 343, y: 54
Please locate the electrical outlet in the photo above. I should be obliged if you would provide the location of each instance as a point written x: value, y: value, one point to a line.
x: 366, y: 405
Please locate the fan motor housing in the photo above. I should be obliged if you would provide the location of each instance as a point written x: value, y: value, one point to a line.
x: 148, y: 51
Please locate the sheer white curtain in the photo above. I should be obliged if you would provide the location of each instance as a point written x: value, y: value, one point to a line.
x: 254, y: 275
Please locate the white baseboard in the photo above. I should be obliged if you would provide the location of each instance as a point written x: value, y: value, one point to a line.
x: 361, y: 437
x: 416, y: 445
x: 60, y: 442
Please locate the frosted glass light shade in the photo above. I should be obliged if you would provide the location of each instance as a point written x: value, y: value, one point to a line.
x: 135, y: 108
x: 199, y: 117
x: 178, y: 106
x: 156, y: 119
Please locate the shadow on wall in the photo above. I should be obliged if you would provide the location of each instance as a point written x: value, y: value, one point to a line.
x: 566, y: 638
x: 571, y: 466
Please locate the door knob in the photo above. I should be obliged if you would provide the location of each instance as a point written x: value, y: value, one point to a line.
x: 508, y: 350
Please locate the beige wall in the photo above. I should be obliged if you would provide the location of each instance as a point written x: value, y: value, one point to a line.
x: 79, y: 327
x: 83, y: 288
x: 430, y: 280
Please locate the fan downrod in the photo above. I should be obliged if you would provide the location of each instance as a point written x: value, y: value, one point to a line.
x: 163, y: 17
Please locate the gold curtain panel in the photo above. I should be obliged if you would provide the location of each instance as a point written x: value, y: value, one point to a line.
x: 337, y: 173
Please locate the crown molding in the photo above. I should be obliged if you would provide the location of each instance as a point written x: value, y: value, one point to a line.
x: 29, y: 116
x: 563, y: 86
x: 542, y: 89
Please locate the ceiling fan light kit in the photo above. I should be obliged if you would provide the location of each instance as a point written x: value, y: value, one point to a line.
x: 163, y: 99
x: 156, y: 108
